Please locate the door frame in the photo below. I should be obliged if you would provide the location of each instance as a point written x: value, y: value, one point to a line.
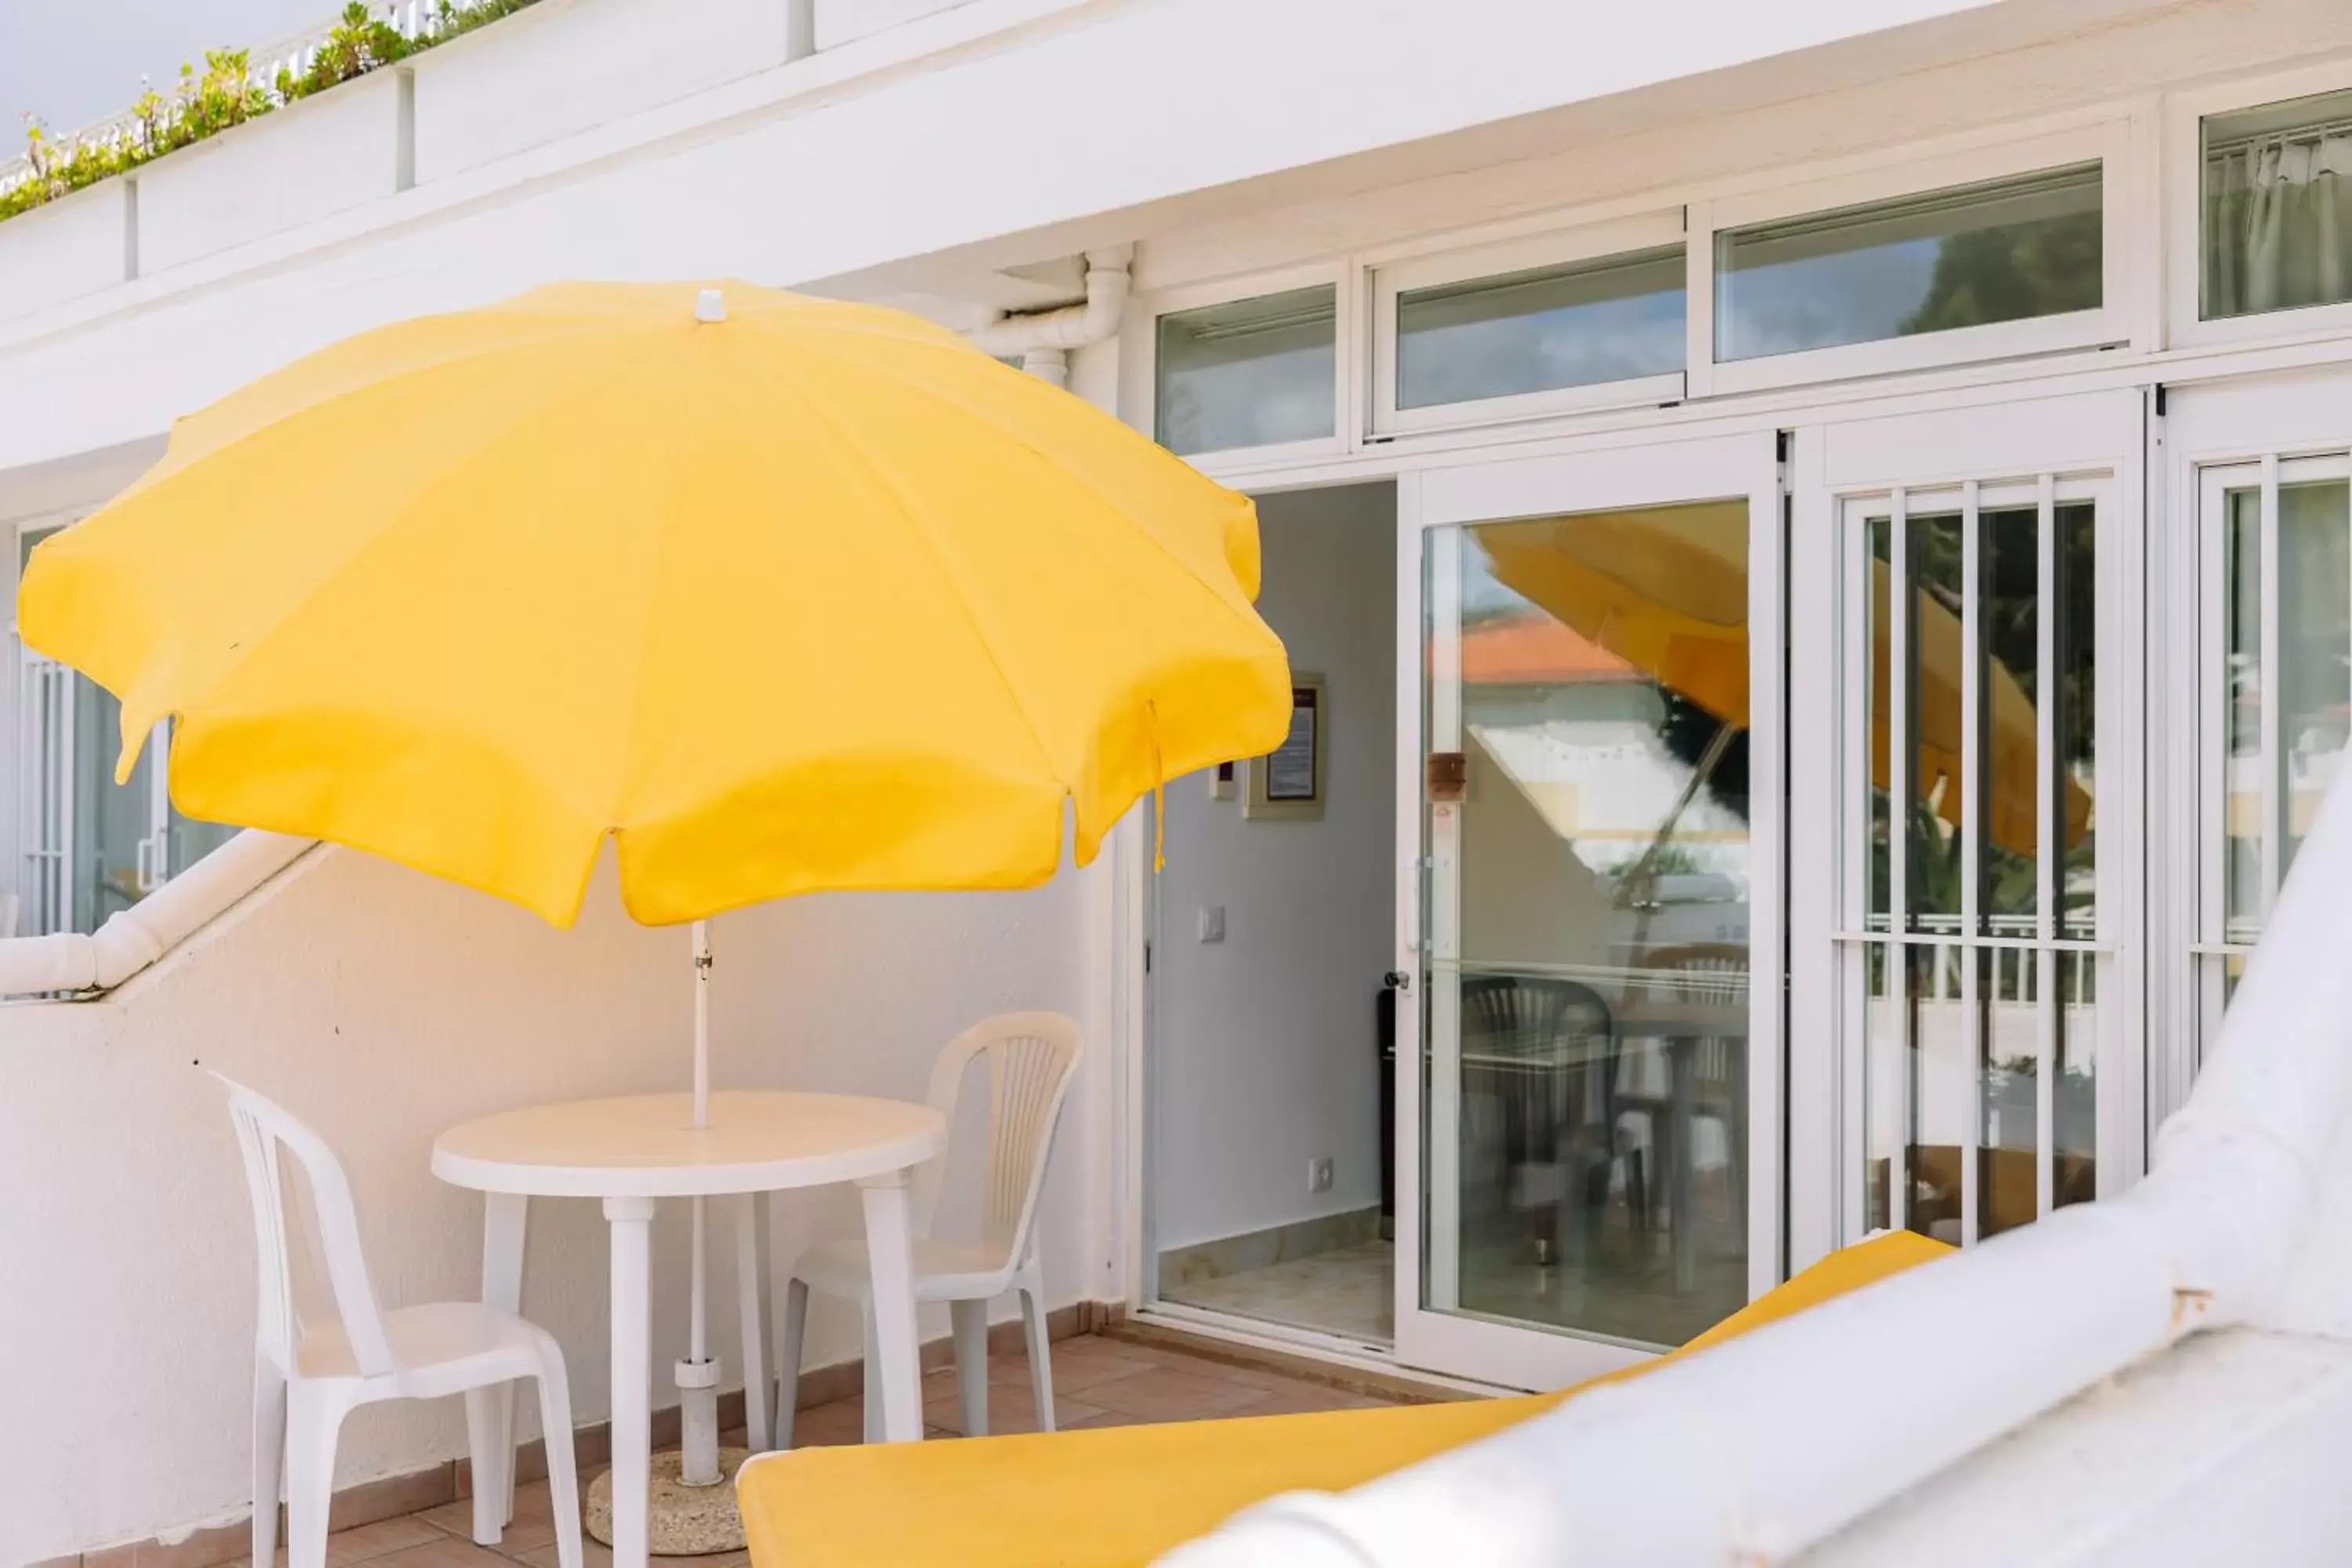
x: 1651, y: 472
x: 1837, y: 464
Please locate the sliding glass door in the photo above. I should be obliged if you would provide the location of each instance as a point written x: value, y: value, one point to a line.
x: 1590, y: 911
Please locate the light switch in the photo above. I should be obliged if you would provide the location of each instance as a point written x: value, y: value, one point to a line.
x: 1213, y: 923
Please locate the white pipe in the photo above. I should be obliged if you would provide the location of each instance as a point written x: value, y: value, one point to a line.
x: 1044, y: 340
x: 134, y: 938
x: 1771, y: 1442
x: 701, y: 940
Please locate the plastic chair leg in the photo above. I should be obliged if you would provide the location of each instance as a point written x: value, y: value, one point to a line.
x: 562, y: 1470
x: 789, y: 1334
x: 489, y: 1442
x: 971, y: 1320
x: 1030, y: 1287
x: 314, y: 1420
x: 269, y: 1456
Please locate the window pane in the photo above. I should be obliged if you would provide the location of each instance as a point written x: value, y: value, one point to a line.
x: 2242, y: 808
x: 1937, y: 793
x: 1598, y: 1011
x: 2314, y: 641
x: 1878, y: 534
x: 192, y: 841
x: 1539, y: 330
x: 2075, y: 643
x: 2009, y: 624
x: 2278, y: 206
x: 2073, y: 1104
x: 109, y: 819
x: 2006, y: 250
x: 1249, y: 373
x: 2311, y: 687
x: 2008, y: 1001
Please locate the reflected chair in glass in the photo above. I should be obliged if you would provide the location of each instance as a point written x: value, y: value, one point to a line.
x: 1541, y: 1053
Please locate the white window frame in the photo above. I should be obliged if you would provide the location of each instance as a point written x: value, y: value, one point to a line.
x: 1592, y: 242
x: 61, y: 791
x: 2107, y: 143
x: 2183, y: 234
x: 2229, y: 430
x: 1139, y: 361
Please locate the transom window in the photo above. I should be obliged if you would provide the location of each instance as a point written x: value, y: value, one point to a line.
x: 1250, y: 373
x: 2009, y: 249
x: 2276, y: 207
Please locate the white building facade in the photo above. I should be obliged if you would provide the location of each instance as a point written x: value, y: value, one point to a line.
x: 1862, y: 501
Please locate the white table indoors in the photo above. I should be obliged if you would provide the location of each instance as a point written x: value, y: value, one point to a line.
x: 630, y: 1152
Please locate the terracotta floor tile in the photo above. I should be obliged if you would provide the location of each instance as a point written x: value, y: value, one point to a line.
x: 1166, y: 1394
x: 1082, y: 1364
x: 368, y: 1541
x: 824, y: 1425
x: 594, y: 1553
x: 1010, y: 1410
x: 447, y: 1552
x: 533, y: 1524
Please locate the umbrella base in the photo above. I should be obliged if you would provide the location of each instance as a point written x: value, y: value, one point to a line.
x: 682, y: 1521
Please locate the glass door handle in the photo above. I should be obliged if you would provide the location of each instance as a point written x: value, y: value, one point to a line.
x: 1397, y: 979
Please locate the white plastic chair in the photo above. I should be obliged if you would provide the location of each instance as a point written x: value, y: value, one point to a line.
x: 311, y: 1371
x: 1030, y: 1058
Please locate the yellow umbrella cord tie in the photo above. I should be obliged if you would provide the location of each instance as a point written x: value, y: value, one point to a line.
x: 1158, y: 792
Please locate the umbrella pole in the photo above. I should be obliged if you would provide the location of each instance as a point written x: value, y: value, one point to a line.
x: 698, y: 1374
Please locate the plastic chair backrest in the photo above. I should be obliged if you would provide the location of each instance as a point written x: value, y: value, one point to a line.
x: 263, y: 1129
x: 1030, y: 1058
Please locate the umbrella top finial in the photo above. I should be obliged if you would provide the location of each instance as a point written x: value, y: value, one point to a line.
x: 709, y: 305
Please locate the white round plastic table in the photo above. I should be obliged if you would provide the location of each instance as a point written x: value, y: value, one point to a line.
x: 631, y: 1151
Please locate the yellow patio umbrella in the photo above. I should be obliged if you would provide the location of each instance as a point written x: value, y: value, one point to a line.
x: 779, y: 594
x: 1665, y: 589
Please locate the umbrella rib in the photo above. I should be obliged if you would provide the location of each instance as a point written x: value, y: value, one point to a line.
x: 1026, y: 444
x: 879, y: 475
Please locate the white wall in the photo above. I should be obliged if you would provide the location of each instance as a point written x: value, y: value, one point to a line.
x: 1263, y: 1046
x: 804, y: 172
x: 383, y: 1007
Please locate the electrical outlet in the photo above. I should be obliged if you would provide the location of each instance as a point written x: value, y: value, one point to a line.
x: 1319, y: 1174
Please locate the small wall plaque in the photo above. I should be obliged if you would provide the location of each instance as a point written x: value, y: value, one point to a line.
x: 1286, y: 785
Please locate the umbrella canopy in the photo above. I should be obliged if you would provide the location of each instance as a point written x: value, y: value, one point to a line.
x: 783, y: 593
x: 1665, y: 589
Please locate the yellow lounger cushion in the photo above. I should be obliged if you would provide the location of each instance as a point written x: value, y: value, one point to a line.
x: 1111, y: 1496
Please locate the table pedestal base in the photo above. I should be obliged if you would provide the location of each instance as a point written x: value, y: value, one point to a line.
x: 683, y: 1520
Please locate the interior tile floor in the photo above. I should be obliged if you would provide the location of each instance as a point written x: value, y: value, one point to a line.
x: 1347, y: 1292
x: 1097, y: 1382
x: 1626, y: 1290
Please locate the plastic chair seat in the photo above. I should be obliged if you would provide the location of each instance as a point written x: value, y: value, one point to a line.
x: 459, y: 1343
x: 944, y: 1270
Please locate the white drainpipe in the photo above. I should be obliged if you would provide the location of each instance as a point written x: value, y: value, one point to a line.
x: 1044, y: 340
x: 1759, y: 1447
x: 134, y: 938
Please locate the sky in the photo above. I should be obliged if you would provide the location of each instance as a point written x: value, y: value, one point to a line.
x: 73, y: 61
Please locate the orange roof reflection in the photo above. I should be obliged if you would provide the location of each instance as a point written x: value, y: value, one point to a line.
x: 1535, y: 650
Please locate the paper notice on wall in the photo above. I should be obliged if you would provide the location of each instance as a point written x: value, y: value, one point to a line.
x: 1290, y: 769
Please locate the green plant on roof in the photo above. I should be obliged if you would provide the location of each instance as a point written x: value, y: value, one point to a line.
x: 225, y: 93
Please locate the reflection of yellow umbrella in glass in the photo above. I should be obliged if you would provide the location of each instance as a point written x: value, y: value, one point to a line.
x: 781, y: 594
x: 1665, y: 589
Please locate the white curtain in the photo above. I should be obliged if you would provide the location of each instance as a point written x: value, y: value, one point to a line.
x: 2278, y: 224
